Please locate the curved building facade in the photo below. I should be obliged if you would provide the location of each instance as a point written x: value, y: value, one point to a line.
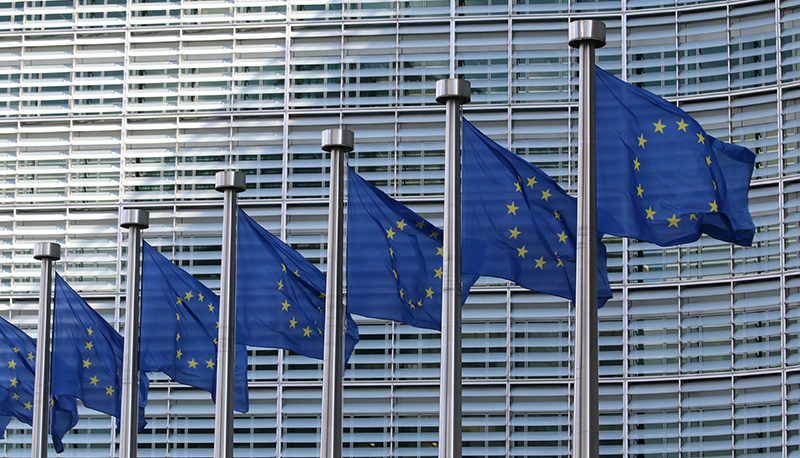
x: 111, y: 104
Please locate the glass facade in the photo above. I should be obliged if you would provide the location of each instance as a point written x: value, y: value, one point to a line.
x: 110, y: 104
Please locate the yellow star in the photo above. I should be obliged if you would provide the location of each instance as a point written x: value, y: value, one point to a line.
x: 560, y: 264
x: 210, y: 364
x: 650, y: 213
x: 395, y: 273
x: 193, y: 364
x: 639, y: 191
x: 89, y: 345
x: 714, y: 207
x: 435, y: 234
x: 682, y: 125
x: 557, y: 214
x: 16, y: 396
x: 16, y: 350
x: 321, y: 295
x: 438, y: 273
x: 296, y: 273
x: 14, y: 381
x: 178, y: 317
x: 517, y: 186
x: 692, y: 216
x: 87, y: 363
x: 636, y: 164
x: 715, y: 184
x: 428, y: 293
x: 512, y: 208
x: 522, y: 252
x: 390, y: 233
x: 562, y: 237
x: 440, y: 251
x: 401, y: 224
x: 283, y: 267
x: 109, y: 391
x: 178, y: 337
x: 673, y: 221
x: 531, y: 181
x: 12, y: 364
x: 180, y: 301
x: 286, y: 305
x: 217, y: 325
x: 215, y: 340
x: 28, y: 405
x: 419, y: 303
x: 89, y: 330
x: 708, y: 160
x: 642, y: 141
x: 514, y: 233
x: 189, y: 296
x: 94, y: 380
x: 700, y: 138
x: 180, y: 353
x: 659, y: 127
x: 540, y: 263
x: 420, y: 224
x: 30, y: 356
x: 391, y: 252
x: 402, y: 293
x: 546, y: 195
x: 292, y: 322
x: 411, y: 304
x: 280, y: 285
x: 307, y: 332
x: 211, y: 308
x: 200, y: 297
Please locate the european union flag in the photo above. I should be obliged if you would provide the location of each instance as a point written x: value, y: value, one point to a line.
x: 280, y: 296
x: 394, y: 259
x: 660, y: 177
x: 180, y: 321
x: 518, y: 224
x: 17, y: 382
x: 87, y: 355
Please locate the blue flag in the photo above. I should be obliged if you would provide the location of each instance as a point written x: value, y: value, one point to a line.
x: 394, y: 259
x: 518, y: 224
x: 180, y: 319
x: 17, y: 382
x: 87, y: 356
x: 280, y: 296
x: 660, y: 177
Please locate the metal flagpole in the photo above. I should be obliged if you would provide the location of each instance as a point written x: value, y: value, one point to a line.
x: 586, y: 35
x: 453, y: 93
x: 135, y: 221
x: 47, y: 252
x: 339, y: 142
x: 230, y: 183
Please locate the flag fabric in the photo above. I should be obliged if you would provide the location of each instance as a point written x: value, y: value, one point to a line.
x: 280, y: 296
x: 180, y: 320
x: 660, y: 177
x: 17, y: 383
x: 394, y: 259
x: 518, y: 224
x: 87, y: 356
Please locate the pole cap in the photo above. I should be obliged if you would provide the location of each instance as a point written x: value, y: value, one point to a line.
x: 230, y: 179
x: 453, y: 88
x: 337, y: 138
x: 47, y: 250
x: 134, y: 217
x: 587, y: 30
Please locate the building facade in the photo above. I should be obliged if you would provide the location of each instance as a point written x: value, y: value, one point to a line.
x: 111, y: 104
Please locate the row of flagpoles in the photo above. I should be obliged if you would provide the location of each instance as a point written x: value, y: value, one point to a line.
x: 392, y: 272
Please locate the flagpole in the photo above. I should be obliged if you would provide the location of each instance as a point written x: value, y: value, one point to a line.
x: 453, y: 93
x: 230, y: 183
x: 47, y: 252
x: 338, y: 142
x: 135, y: 221
x: 586, y: 35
